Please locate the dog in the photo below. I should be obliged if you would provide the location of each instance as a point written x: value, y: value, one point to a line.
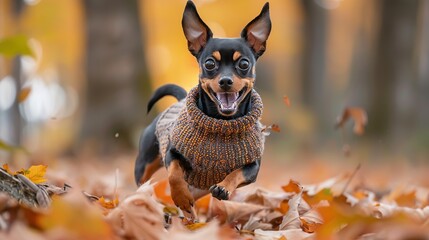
x: 211, y: 140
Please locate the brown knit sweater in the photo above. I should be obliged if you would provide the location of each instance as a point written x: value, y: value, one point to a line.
x: 213, y: 147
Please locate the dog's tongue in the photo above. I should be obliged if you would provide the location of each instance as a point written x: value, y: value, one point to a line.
x: 227, y: 100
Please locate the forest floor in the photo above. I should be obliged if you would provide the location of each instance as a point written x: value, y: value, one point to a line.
x: 308, y: 197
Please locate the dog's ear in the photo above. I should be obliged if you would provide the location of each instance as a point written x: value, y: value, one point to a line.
x: 196, y: 31
x: 257, y: 31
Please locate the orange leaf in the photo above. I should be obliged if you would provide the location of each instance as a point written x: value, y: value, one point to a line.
x: 284, y: 206
x: 358, y: 115
x: 286, y: 100
x: 407, y: 200
x: 108, y: 204
x: 202, y: 204
x: 308, y: 227
x: 23, y: 94
x: 7, y: 169
x: 160, y: 190
x: 293, y: 186
x: 275, y: 128
x: 324, y: 194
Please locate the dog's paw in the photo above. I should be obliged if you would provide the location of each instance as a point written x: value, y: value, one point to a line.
x: 219, y: 192
x: 183, y: 200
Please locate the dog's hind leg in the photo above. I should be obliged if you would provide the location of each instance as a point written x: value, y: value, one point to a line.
x: 149, y: 159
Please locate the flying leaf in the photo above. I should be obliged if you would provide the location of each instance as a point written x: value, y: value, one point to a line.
x: 286, y: 100
x: 359, y: 117
x: 23, y: 94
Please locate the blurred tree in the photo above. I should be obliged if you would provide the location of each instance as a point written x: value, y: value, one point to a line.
x: 116, y: 72
x: 392, y: 89
x: 314, y: 82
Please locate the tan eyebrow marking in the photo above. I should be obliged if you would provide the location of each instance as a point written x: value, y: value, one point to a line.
x: 216, y: 55
x: 236, y: 56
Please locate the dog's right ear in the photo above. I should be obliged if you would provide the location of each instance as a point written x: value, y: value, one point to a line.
x: 196, y: 31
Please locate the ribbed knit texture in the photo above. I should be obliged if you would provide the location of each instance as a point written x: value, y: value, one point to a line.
x: 213, y: 147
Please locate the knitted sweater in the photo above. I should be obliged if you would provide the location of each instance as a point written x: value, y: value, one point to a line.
x: 213, y: 147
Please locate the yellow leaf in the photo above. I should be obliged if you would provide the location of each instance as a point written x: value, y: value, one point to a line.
x: 35, y: 173
x: 195, y: 226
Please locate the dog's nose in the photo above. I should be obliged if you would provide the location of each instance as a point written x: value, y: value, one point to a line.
x: 225, y: 83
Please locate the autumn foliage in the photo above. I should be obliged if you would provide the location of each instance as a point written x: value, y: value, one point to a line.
x: 337, y: 208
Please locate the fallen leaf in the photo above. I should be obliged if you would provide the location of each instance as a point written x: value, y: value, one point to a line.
x: 73, y: 216
x: 292, y: 186
x: 162, y: 193
x: 138, y: 216
x: 308, y: 227
x: 359, y: 117
x: 35, y: 173
x: 195, y: 226
x: 108, y: 204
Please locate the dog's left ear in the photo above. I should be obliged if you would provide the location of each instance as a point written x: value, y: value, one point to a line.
x: 196, y: 31
x: 257, y: 31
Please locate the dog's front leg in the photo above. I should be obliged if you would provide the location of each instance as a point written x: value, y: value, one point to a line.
x: 235, y: 179
x: 179, y: 189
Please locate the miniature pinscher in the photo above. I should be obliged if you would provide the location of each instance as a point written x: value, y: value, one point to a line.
x: 211, y: 141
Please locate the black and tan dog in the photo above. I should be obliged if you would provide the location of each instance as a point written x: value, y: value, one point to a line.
x: 211, y: 140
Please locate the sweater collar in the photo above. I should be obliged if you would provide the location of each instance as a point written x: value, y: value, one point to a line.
x: 214, y: 125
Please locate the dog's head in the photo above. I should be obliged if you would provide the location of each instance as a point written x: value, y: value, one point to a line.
x: 227, y: 65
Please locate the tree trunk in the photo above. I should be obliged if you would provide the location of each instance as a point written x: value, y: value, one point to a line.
x: 392, y: 98
x: 314, y: 84
x: 116, y: 73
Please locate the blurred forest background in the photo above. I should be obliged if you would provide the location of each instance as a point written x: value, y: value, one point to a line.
x: 87, y: 68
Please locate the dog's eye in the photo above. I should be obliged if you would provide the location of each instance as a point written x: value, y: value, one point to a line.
x: 243, y: 64
x: 209, y: 64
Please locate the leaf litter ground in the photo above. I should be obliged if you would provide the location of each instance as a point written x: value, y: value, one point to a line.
x: 325, y: 201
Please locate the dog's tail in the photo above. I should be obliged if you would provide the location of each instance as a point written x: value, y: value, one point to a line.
x: 166, y: 90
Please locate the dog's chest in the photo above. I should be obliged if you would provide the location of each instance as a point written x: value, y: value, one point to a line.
x: 213, y: 154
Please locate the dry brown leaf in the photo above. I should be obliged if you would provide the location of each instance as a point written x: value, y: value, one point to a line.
x: 308, y: 227
x: 359, y: 117
x: 210, y: 231
x: 295, y: 234
x: 138, y: 216
x: 230, y: 211
x: 292, y: 187
x: 286, y: 100
x: 23, y: 94
x: 291, y: 219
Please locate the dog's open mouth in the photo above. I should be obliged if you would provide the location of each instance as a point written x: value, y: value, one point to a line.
x: 229, y: 101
